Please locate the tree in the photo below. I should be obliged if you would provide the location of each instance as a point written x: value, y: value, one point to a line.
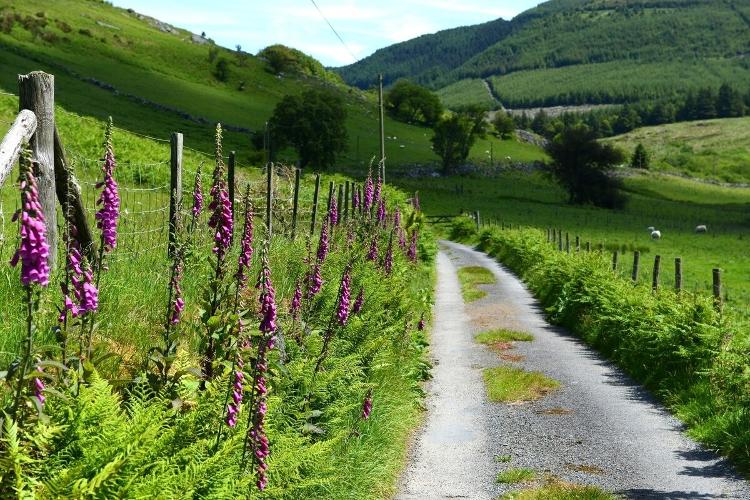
x: 582, y: 166
x: 541, y: 123
x: 221, y: 69
x: 455, y: 135
x: 413, y: 103
x: 729, y: 103
x: 313, y: 123
x: 640, y: 157
x: 504, y: 124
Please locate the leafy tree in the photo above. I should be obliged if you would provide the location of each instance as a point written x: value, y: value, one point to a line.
x: 541, y: 123
x: 413, y: 103
x: 504, y: 124
x: 582, y: 166
x: 640, y: 157
x: 313, y: 123
x: 455, y: 135
x: 221, y: 69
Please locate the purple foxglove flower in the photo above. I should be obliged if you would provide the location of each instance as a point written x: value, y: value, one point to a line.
x: 109, y: 199
x: 296, y: 301
x: 333, y: 213
x: 233, y: 409
x: 314, y: 281
x: 368, y: 193
x: 246, y: 245
x: 401, y: 238
x: 89, y: 295
x: 221, y: 219
x: 72, y: 270
x: 33, y: 250
x: 355, y: 200
x: 381, y: 212
x: 412, y: 252
x: 39, y: 387
x: 388, y: 261
x: 342, y: 314
x: 359, y: 301
x: 323, y: 244
x: 373, y: 253
x: 197, y: 195
x: 420, y: 325
x: 367, y: 406
x: 178, y: 302
x: 377, y: 196
x: 397, y: 218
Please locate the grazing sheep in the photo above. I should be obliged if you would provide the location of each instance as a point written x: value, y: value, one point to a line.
x: 701, y: 229
x: 655, y: 235
x: 650, y: 229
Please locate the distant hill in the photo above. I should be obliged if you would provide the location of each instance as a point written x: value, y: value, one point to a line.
x: 154, y: 78
x: 567, y: 52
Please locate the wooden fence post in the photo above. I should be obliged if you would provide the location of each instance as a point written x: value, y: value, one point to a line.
x: 19, y: 134
x: 295, y: 203
x: 567, y: 242
x: 69, y: 196
x: 717, y: 287
x: 678, y: 274
x: 331, y: 188
x: 315, y: 204
x: 346, y: 200
x: 340, y: 203
x: 36, y: 92
x: 657, y: 271
x: 175, y: 188
x: 269, y: 200
x: 578, y: 243
x: 588, y: 246
x: 230, y: 179
x: 477, y: 219
x: 636, y: 265
x: 614, y: 260
x: 559, y: 240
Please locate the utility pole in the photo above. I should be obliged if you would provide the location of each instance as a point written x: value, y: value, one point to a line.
x: 382, y: 127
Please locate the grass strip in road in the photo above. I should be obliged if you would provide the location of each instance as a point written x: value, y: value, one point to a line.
x: 507, y: 384
x: 472, y: 276
x: 503, y: 335
x: 515, y: 476
x: 559, y: 490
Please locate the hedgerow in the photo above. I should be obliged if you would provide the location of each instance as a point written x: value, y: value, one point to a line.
x: 692, y: 354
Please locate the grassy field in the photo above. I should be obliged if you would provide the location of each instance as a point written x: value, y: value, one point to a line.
x: 675, y: 206
x: 711, y: 149
x: 467, y: 92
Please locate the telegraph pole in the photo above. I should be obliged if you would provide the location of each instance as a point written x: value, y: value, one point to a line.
x: 382, y: 127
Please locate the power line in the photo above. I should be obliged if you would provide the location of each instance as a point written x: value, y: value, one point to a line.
x: 334, y: 31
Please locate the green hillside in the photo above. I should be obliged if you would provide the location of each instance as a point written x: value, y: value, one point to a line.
x: 581, y: 51
x: 711, y: 149
x: 154, y: 78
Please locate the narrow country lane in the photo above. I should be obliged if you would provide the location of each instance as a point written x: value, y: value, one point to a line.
x: 599, y: 428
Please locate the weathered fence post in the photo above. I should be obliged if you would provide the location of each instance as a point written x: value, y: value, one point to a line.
x: 614, y: 260
x: 578, y: 243
x: 657, y: 270
x: 315, y: 204
x: 717, y: 287
x: 678, y: 274
x: 346, y: 200
x: 477, y: 219
x: 559, y: 240
x: 588, y: 246
x: 340, y: 203
x: 269, y: 201
x: 567, y: 242
x: 19, y: 134
x: 69, y: 196
x: 636, y: 265
x: 175, y: 187
x: 230, y: 178
x: 331, y: 188
x: 36, y: 92
x: 295, y: 203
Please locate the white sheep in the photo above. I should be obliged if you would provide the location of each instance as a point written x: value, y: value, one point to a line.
x: 655, y: 235
x: 701, y: 229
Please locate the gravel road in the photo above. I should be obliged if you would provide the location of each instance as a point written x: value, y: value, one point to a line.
x: 600, y: 428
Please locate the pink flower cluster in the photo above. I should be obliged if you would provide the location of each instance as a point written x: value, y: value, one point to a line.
x: 233, y: 409
x: 420, y: 325
x: 323, y: 244
x: 359, y: 301
x: 372, y: 254
x: 342, y: 314
x: 246, y: 245
x: 197, y: 195
x: 109, y: 199
x: 39, y: 387
x: 381, y: 212
x: 221, y: 219
x: 367, y: 406
x: 368, y: 193
x: 333, y: 213
x: 314, y: 281
x: 412, y: 252
x: 178, y: 302
x: 33, y: 250
x: 355, y: 200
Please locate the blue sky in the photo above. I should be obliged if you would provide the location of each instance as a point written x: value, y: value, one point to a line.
x: 365, y: 25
